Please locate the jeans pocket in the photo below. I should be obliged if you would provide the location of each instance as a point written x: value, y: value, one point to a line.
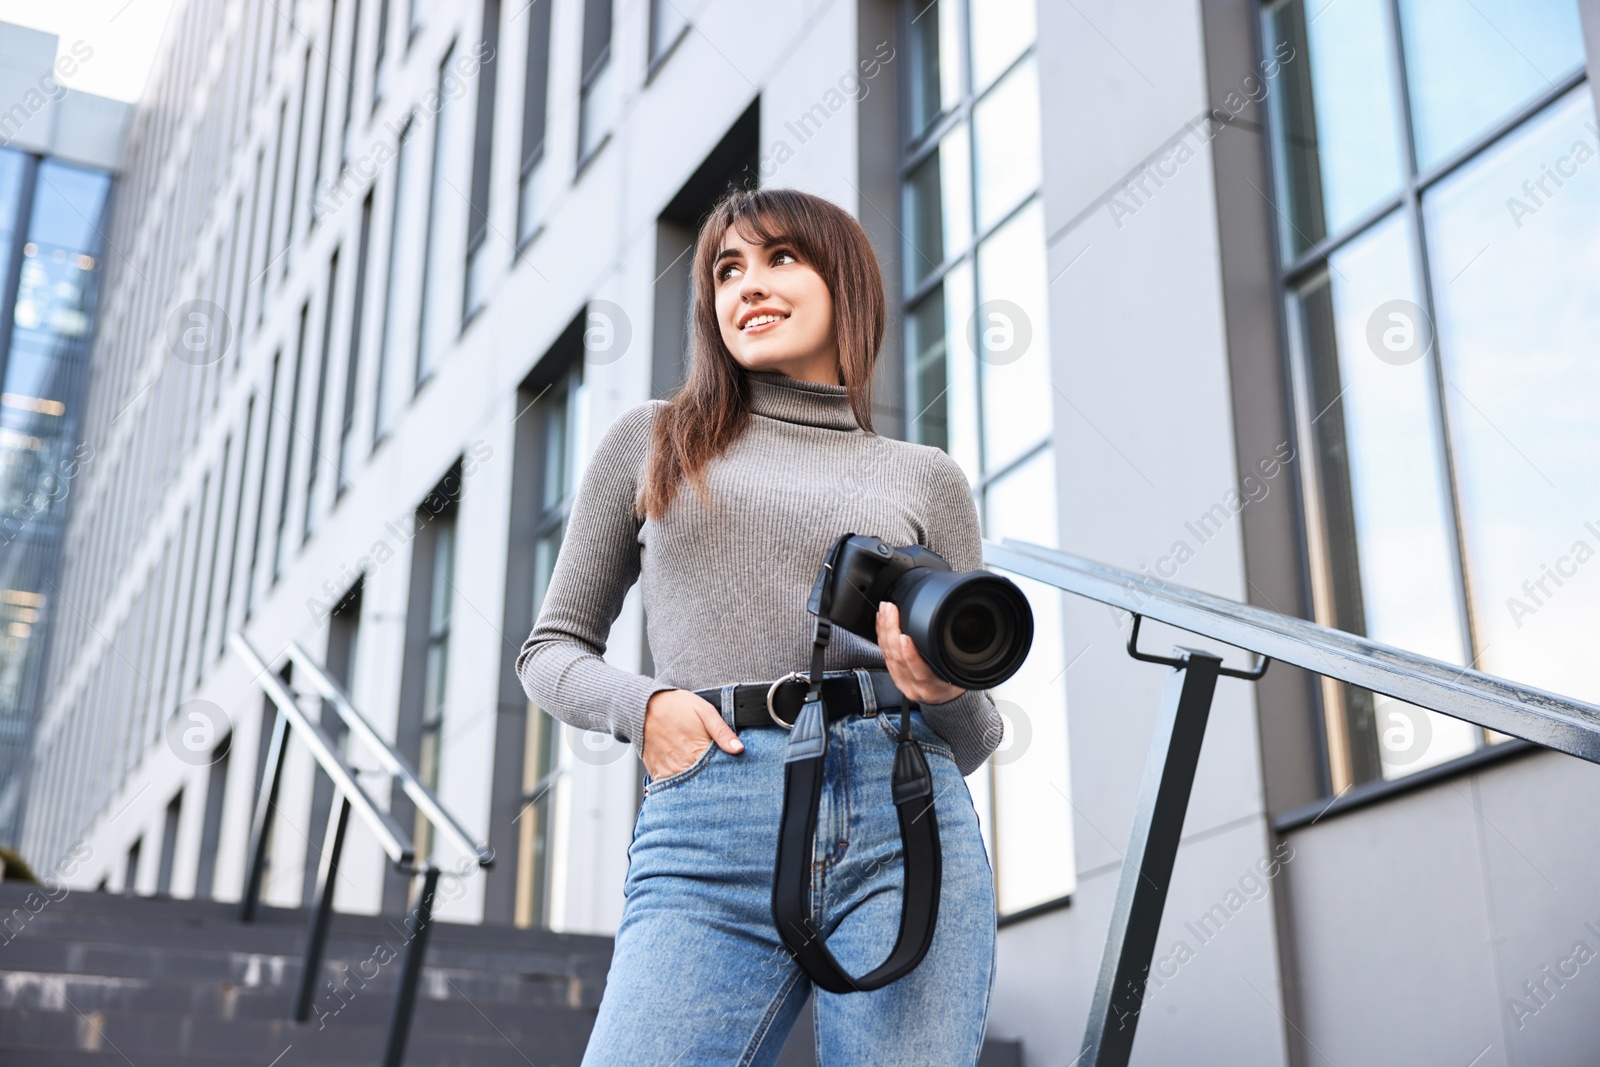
x: 653, y: 785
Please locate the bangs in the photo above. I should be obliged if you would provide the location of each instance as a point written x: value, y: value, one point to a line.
x: 768, y: 224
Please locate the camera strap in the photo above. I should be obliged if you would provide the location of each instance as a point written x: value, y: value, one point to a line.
x: 802, y: 796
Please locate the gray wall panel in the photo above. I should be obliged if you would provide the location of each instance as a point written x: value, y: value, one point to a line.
x: 1392, y: 936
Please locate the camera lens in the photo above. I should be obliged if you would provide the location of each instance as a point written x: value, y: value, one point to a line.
x: 978, y: 634
x: 974, y: 628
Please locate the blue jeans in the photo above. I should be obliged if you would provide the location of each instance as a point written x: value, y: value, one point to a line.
x: 699, y: 976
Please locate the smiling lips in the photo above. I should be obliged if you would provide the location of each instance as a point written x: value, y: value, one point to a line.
x: 761, y: 322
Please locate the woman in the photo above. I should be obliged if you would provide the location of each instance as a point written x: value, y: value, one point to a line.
x: 770, y: 443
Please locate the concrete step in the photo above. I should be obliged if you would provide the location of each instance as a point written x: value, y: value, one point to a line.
x: 541, y: 1036
x: 183, y: 983
x: 95, y: 977
x: 455, y: 1007
x: 579, y: 985
x: 134, y: 915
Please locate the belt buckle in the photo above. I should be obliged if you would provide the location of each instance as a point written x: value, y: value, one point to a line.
x: 773, y: 688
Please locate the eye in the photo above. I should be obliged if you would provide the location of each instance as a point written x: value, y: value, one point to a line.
x: 784, y: 252
x: 722, y: 271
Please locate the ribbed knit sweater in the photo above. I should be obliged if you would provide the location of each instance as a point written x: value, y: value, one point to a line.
x: 725, y: 590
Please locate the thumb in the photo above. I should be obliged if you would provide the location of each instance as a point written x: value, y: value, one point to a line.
x: 722, y: 735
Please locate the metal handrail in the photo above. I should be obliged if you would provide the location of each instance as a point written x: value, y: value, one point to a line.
x: 395, y: 842
x: 393, y: 762
x: 1557, y: 722
x: 1549, y: 719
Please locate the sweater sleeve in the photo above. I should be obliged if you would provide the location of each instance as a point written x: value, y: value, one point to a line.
x: 970, y: 723
x: 561, y: 664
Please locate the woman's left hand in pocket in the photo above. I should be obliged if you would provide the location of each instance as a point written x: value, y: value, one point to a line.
x: 906, y: 665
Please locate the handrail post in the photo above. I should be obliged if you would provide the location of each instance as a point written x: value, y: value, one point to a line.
x: 317, y: 935
x: 1147, y: 866
x: 266, y: 804
x: 394, y: 1049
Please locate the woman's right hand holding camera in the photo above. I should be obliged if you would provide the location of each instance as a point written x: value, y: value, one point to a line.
x: 678, y: 728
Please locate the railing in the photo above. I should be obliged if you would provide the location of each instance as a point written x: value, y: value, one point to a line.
x: 1557, y: 722
x: 394, y: 840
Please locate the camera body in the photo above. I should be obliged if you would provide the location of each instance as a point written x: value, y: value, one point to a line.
x: 974, y: 628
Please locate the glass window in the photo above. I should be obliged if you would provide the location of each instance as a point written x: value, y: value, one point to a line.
x: 1005, y: 138
x: 667, y: 23
x: 225, y: 615
x: 1380, y: 464
x: 436, y: 667
x: 1517, y: 299
x: 270, y: 238
x: 402, y: 291
x: 11, y: 173
x: 978, y: 382
x: 440, y: 315
x: 1001, y: 31
x: 1442, y: 392
x: 942, y: 378
x: 597, y: 91
x: 223, y: 472
x: 324, y: 357
x: 1339, y: 154
x: 45, y: 364
x: 380, y: 77
x: 294, y: 168
x: 330, y: 91
x: 347, y: 128
x: 560, y: 412
x: 352, y: 372
x: 478, y: 260
x: 1030, y: 783
x: 261, y: 486
x: 536, y: 79
x: 939, y: 207
x: 1010, y: 331
x: 935, y: 62
x: 292, y: 434
x: 1471, y: 63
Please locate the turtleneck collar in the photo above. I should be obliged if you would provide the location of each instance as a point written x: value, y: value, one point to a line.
x: 779, y: 396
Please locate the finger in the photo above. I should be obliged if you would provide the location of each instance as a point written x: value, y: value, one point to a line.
x: 916, y: 666
x: 722, y: 735
x: 888, y: 627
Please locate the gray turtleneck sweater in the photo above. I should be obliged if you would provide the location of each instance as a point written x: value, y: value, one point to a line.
x: 725, y: 591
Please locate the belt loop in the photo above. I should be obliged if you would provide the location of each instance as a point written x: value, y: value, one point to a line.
x: 727, y: 706
x: 869, y: 695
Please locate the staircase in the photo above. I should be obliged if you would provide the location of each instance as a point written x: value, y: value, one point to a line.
x: 97, y: 978
x: 101, y: 978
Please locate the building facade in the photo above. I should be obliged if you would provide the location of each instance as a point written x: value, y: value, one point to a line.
x: 60, y: 148
x: 1290, y: 302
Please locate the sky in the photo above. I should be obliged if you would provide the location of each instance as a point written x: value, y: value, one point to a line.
x: 123, y: 34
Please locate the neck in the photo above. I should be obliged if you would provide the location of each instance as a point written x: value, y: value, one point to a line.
x: 775, y: 395
x: 821, y: 368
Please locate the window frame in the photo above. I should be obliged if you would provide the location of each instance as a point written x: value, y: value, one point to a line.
x: 1290, y: 273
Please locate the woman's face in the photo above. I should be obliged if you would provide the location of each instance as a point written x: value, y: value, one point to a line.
x: 774, y: 310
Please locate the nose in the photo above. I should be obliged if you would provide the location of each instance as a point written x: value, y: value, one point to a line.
x: 753, y: 283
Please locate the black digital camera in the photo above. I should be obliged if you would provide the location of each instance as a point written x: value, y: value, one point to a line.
x: 973, y: 628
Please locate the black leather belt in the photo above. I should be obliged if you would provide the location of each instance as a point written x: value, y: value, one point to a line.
x: 841, y: 696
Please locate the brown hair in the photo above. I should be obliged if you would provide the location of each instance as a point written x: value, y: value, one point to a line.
x: 710, y: 410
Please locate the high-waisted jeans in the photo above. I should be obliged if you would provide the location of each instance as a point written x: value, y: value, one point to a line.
x: 699, y: 976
